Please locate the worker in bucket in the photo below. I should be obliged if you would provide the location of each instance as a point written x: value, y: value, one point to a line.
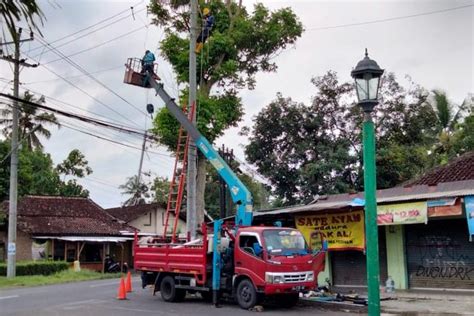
x: 206, y: 30
x: 147, y: 62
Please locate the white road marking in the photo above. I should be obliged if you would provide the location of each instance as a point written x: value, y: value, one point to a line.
x: 7, y: 297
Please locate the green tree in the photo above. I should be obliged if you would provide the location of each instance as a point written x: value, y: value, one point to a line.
x: 448, y: 118
x: 139, y: 191
x: 14, y: 11
x: 74, y: 165
x: 308, y: 150
x: 31, y: 123
x: 260, y: 192
x: 241, y: 45
x: 37, y: 175
x: 160, y: 189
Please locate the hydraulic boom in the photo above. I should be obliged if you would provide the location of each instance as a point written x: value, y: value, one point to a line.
x: 241, y: 196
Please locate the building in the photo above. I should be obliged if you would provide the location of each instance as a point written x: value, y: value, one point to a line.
x: 66, y: 228
x: 426, y: 230
x: 148, y: 218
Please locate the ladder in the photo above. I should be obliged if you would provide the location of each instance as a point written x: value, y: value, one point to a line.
x: 178, y: 180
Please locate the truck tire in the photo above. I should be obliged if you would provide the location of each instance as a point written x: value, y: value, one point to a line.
x: 168, y: 291
x: 246, y: 294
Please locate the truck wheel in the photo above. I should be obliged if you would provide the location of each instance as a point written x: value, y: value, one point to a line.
x: 289, y: 300
x: 246, y: 294
x: 169, y: 293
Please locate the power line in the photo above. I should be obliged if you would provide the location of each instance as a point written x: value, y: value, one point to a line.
x: 83, y: 118
x: 73, y: 77
x: 77, y: 66
x: 91, y: 121
x: 89, y: 33
x: 90, y: 96
x: 61, y: 103
x: 96, y: 46
x: 388, y: 19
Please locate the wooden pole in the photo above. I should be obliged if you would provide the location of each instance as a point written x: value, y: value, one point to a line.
x: 65, y: 250
x: 52, y: 249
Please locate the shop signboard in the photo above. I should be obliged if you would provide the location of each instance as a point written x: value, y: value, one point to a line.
x: 404, y: 213
x: 342, y: 230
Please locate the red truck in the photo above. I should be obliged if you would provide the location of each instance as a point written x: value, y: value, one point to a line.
x: 258, y: 262
x: 243, y: 261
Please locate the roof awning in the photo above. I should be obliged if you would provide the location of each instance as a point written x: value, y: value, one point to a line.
x: 86, y: 238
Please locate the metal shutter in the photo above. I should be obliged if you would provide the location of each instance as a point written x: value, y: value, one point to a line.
x: 439, y: 255
x: 349, y: 267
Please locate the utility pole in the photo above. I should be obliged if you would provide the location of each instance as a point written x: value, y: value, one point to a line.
x: 191, y: 211
x: 222, y: 188
x: 13, y: 198
x: 139, y: 175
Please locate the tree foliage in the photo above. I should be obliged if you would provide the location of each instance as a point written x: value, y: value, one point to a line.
x: 74, y: 165
x: 308, y: 150
x: 137, y: 190
x: 242, y: 44
x: 37, y: 175
x: 14, y: 11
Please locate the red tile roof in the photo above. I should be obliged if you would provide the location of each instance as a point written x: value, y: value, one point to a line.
x: 459, y: 169
x: 129, y: 213
x: 73, y: 216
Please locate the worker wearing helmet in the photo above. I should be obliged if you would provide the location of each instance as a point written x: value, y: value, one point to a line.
x: 206, y: 30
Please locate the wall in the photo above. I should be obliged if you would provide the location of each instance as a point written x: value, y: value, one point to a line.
x: 157, y: 224
x: 326, y: 273
x: 23, y: 246
x: 396, y: 258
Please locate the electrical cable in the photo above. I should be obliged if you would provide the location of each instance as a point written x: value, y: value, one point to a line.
x: 83, y: 118
x: 388, y: 19
x: 87, y: 34
x: 91, y: 96
x: 73, y: 77
x: 77, y: 66
x: 96, y: 46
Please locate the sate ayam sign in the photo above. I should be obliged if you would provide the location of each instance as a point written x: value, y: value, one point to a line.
x: 343, y: 231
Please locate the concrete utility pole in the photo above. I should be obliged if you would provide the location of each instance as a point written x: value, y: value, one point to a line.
x: 13, y: 198
x: 139, y: 175
x: 191, y: 211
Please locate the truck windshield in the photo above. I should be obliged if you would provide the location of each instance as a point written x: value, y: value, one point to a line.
x: 285, y: 242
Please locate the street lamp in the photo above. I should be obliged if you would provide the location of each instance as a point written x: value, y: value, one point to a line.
x: 367, y: 82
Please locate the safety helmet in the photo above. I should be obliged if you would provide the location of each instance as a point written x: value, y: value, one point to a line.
x: 206, y: 11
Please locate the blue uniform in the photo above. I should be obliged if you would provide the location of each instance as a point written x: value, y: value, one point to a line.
x: 148, y: 59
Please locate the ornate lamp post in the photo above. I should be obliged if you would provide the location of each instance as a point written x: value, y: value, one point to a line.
x: 367, y: 82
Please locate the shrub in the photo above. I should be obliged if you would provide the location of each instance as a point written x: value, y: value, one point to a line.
x: 36, y: 267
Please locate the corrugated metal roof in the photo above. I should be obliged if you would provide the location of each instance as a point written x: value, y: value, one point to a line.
x: 393, y: 195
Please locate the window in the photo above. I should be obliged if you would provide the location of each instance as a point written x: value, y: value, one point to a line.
x: 250, y: 244
x: 148, y: 221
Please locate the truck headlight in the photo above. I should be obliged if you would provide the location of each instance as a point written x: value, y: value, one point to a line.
x: 278, y: 279
x: 310, y: 276
x: 273, y: 278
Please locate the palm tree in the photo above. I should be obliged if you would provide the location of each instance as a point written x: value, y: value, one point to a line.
x: 139, y: 191
x: 13, y: 11
x: 31, y: 123
x: 448, y: 118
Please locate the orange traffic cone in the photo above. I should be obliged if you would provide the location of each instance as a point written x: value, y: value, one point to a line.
x: 122, y: 293
x: 128, y: 283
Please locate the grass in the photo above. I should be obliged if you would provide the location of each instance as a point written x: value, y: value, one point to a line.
x: 60, y: 277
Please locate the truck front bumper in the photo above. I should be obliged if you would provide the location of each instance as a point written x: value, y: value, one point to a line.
x: 281, y: 288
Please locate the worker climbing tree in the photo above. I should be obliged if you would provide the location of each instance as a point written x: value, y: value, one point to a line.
x: 243, y: 44
x: 208, y: 23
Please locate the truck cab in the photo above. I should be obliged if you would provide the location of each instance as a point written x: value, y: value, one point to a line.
x: 273, y: 261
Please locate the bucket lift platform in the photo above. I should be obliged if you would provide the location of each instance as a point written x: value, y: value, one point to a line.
x: 135, y: 75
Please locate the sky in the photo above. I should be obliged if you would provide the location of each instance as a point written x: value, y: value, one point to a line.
x: 435, y: 50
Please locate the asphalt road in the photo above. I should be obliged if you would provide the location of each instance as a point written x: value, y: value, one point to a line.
x: 99, y: 298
